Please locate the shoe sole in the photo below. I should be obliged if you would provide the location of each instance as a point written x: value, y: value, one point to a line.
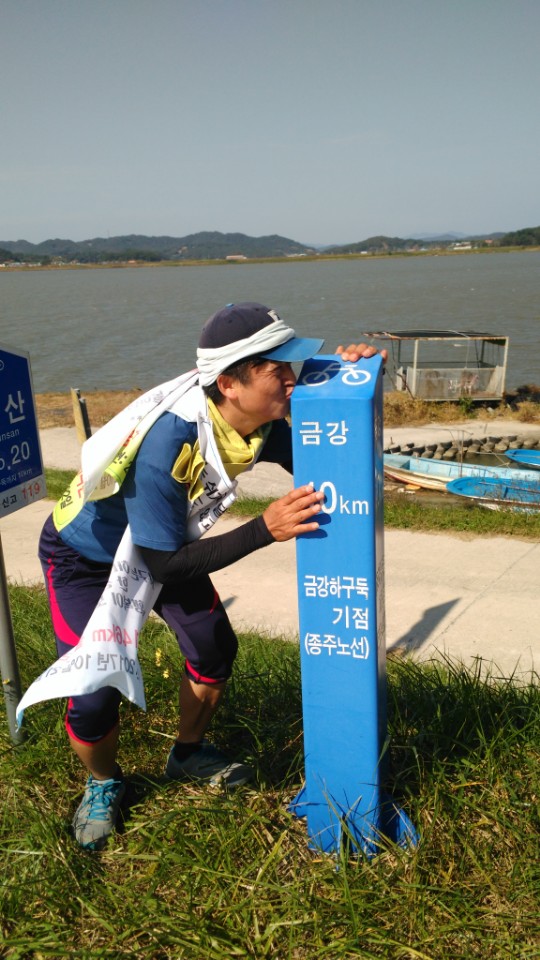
x: 215, y: 780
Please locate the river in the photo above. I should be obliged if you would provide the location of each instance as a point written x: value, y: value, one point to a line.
x: 109, y: 328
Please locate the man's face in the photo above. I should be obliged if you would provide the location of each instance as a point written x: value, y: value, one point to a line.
x: 267, y: 394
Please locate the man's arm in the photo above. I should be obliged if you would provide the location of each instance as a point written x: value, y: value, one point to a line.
x: 207, y: 555
x: 284, y: 519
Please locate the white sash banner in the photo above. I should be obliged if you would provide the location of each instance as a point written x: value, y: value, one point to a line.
x: 99, y: 450
x: 106, y: 655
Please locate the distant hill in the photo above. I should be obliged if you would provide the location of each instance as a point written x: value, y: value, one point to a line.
x: 456, y: 237
x: 378, y: 244
x: 195, y: 246
x: 212, y: 245
x: 438, y: 237
x: 382, y: 244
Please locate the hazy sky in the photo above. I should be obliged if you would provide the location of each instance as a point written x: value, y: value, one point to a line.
x: 326, y: 121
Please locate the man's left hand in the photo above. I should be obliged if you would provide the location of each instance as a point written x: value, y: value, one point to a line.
x: 356, y: 351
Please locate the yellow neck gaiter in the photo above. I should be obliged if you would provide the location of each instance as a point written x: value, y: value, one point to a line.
x: 236, y: 453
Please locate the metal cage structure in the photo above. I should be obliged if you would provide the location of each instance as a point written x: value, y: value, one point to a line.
x: 446, y: 364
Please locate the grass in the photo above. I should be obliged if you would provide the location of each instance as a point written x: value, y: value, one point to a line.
x: 204, y: 876
x: 399, y: 513
x: 402, y: 410
x: 57, y: 481
x: 404, y: 513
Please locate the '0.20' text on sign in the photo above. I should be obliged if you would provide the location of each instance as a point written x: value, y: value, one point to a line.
x: 22, y: 477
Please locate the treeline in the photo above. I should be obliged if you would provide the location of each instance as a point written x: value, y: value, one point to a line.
x: 100, y: 256
x: 528, y: 237
x: 6, y: 256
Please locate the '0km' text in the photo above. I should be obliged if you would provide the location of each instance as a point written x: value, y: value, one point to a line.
x: 335, y: 501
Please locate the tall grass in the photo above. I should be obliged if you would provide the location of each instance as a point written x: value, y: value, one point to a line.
x: 199, y: 874
x: 402, y: 410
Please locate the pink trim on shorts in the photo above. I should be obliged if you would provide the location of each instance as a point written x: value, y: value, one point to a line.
x: 61, y: 628
x: 198, y: 677
x: 73, y: 736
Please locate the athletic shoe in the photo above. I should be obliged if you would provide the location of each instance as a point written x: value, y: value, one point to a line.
x: 209, y: 765
x: 96, y: 815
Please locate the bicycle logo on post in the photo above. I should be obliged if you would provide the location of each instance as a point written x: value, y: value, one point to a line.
x: 351, y: 376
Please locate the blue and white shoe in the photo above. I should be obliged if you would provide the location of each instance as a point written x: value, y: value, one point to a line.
x: 96, y: 815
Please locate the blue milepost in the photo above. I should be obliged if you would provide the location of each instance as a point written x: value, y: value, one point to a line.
x: 337, y: 445
x: 22, y: 477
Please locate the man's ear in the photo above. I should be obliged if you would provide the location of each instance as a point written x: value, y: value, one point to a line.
x: 227, y: 386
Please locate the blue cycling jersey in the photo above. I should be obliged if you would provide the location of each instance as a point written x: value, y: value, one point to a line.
x: 151, y: 500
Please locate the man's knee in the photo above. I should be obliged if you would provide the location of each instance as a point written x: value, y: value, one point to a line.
x: 91, y: 717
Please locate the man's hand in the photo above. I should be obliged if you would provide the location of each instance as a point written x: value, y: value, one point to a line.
x: 290, y: 515
x: 355, y: 351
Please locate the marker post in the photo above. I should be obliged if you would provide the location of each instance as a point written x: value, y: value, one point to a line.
x: 22, y: 482
x: 337, y: 445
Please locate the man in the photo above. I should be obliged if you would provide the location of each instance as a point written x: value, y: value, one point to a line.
x: 175, y: 483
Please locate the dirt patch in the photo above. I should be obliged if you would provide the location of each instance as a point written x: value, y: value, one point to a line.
x: 56, y: 409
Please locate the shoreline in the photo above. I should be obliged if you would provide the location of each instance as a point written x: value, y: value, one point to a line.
x: 55, y: 409
x: 300, y: 258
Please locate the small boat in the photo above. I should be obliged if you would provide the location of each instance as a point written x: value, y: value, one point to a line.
x: 529, y: 458
x: 436, y: 474
x: 523, y: 496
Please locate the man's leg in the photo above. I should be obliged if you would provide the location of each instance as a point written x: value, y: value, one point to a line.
x: 198, y: 703
x: 93, y: 727
x: 74, y: 586
x: 99, y: 758
x: 209, y: 645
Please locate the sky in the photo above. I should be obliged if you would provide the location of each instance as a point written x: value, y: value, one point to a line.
x: 325, y: 121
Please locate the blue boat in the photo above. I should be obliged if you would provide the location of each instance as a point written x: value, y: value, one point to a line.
x: 529, y: 458
x: 523, y: 496
x: 436, y: 474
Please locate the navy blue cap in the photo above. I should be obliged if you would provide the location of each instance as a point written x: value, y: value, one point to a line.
x: 238, y: 321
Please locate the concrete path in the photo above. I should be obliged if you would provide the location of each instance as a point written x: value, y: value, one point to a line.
x: 445, y: 596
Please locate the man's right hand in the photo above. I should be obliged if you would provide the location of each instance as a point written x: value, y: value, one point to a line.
x: 291, y: 515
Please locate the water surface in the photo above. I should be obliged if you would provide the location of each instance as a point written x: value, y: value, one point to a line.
x: 122, y: 328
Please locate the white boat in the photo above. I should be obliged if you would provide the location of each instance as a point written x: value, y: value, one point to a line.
x: 436, y: 474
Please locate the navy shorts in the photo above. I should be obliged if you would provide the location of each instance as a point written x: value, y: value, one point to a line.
x: 192, y: 610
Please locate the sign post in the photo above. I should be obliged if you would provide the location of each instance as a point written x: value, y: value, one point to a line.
x: 337, y: 445
x: 22, y: 481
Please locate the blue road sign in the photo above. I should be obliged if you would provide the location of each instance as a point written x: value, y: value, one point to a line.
x: 22, y: 477
x: 337, y: 445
